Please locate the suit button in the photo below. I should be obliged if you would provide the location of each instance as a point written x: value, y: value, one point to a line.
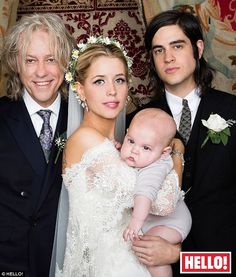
x: 24, y: 194
x: 33, y: 221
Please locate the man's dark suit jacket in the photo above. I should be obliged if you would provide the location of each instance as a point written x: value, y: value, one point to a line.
x: 29, y: 191
x: 211, y: 173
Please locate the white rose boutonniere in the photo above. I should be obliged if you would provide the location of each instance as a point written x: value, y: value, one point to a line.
x: 218, y: 129
x: 60, y: 142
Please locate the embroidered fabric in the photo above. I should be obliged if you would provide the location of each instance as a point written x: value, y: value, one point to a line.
x: 168, y: 196
x: 100, y: 190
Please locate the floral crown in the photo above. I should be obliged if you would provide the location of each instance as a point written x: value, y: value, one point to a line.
x: 70, y: 75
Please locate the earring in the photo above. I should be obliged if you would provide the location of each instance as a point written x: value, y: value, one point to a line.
x: 83, y: 103
x: 128, y: 98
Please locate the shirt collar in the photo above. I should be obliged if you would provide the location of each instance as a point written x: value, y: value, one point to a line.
x: 33, y: 107
x: 175, y: 102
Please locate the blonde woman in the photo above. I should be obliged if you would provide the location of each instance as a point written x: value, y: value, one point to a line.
x: 99, y: 184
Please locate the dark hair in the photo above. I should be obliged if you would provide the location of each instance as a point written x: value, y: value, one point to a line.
x: 203, y: 74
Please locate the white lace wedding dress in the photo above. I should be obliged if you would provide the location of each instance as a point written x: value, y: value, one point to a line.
x: 100, y: 191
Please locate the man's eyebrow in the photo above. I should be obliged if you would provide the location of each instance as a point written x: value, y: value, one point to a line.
x: 178, y: 41
x: 156, y: 46
x: 171, y: 43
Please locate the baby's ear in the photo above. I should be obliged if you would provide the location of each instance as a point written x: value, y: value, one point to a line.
x: 167, y: 150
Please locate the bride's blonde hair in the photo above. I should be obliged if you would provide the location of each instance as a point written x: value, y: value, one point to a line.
x: 95, y: 51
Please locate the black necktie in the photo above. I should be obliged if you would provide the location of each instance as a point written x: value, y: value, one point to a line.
x: 46, y: 133
x: 185, y: 121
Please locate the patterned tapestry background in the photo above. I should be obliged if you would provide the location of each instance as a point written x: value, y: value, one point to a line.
x: 125, y: 20
x: 121, y: 19
x: 8, y: 13
x: 218, y: 18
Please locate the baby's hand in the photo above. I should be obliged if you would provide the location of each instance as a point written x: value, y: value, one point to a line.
x: 117, y: 144
x: 131, y: 232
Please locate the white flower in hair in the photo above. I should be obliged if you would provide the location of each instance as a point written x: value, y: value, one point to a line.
x: 73, y: 86
x: 120, y: 46
x: 92, y: 40
x: 70, y: 75
x: 129, y: 62
x: 106, y: 41
x: 75, y: 54
x: 81, y: 47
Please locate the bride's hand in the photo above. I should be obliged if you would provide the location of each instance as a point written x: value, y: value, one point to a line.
x: 178, y: 157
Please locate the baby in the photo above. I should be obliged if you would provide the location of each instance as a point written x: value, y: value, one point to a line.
x: 147, y: 147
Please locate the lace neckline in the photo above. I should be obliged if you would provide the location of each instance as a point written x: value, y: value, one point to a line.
x: 86, y: 153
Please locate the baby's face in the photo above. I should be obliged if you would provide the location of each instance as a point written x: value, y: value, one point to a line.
x: 141, y: 146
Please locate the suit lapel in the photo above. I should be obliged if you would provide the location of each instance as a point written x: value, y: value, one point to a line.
x: 25, y: 136
x: 194, y: 154
x: 199, y: 159
x: 193, y: 149
x: 198, y: 131
x: 202, y: 157
x: 53, y: 169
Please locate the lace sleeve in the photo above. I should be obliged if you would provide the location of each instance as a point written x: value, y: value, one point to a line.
x: 99, y: 175
x: 93, y: 169
x: 103, y: 179
x: 70, y: 174
x: 167, y: 196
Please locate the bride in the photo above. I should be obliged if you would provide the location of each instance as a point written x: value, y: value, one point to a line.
x: 98, y: 183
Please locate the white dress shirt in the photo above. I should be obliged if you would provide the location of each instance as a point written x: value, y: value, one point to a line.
x: 33, y: 107
x: 175, y: 104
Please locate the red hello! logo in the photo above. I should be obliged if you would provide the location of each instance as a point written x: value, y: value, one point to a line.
x: 205, y: 262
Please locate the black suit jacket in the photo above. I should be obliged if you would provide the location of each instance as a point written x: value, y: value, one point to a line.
x: 29, y: 191
x: 211, y: 173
